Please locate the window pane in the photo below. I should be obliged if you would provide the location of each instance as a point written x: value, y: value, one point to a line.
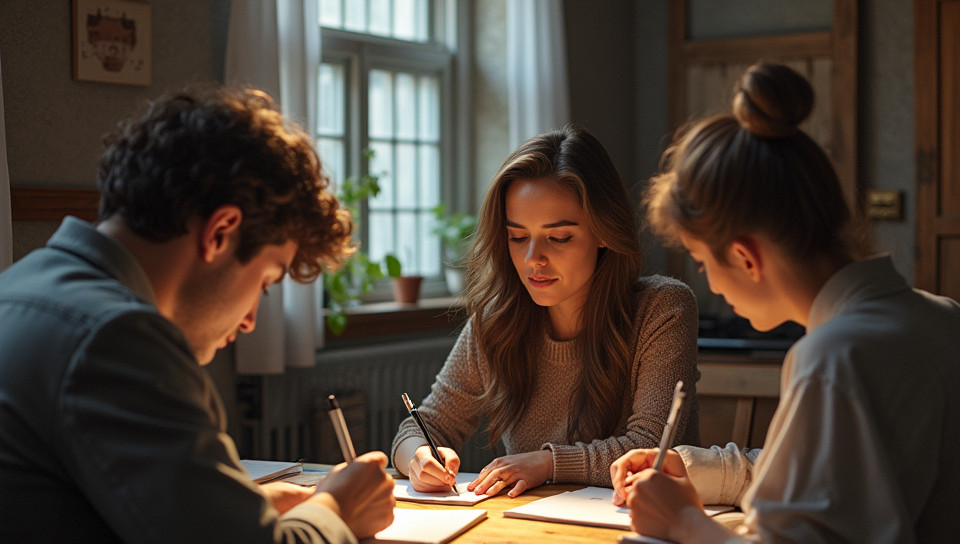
x: 381, y: 236
x: 406, y: 176
x: 429, y: 108
x: 406, y: 106
x: 355, y: 18
x: 430, y: 250
x: 332, y: 105
x: 382, y: 165
x: 380, y: 117
x: 330, y: 14
x: 379, y: 17
x: 405, y: 20
x: 429, y: 176
x: 406, y: 248
x: 331, y: 156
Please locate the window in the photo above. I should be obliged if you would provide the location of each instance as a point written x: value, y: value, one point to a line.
x: 385, y: 85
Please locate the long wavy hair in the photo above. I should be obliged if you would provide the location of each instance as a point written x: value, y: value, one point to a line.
x: 509, y: 325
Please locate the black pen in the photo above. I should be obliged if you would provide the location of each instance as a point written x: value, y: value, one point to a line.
x: 670, y: 429
x: 423, y: 430
x: 340, y: 427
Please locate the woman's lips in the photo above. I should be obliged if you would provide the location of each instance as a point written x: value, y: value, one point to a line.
x: 541, y: 281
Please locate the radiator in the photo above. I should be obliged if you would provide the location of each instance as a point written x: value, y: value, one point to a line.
x: 284, y: 416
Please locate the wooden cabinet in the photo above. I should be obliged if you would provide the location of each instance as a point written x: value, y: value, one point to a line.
x: 738, y: 394
x: 937, y: 119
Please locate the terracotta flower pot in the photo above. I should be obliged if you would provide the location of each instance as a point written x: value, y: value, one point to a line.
x: 407, y: 288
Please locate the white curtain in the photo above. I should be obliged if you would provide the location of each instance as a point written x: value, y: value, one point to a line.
x: 274, y: 45
x: 537, y: 91
x: 6, y: 221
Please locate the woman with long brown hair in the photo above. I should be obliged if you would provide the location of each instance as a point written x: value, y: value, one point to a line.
x: 568, y: 351
x: 864, y: 444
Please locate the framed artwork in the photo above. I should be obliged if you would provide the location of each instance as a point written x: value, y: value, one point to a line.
x: 111, y: 41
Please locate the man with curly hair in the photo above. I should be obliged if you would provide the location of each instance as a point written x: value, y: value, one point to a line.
x: 110, y: 429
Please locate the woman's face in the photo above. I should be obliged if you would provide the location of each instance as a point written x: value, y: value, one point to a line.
x: 553, y: 250
x: 747, y: 298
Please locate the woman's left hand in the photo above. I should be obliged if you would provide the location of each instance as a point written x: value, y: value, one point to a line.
x: 523, y: 471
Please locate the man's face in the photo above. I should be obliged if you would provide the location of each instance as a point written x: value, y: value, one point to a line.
x: 220, y: 302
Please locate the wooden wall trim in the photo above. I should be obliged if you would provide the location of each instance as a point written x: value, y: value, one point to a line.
x: 53, y: 204
x: 813, y: 44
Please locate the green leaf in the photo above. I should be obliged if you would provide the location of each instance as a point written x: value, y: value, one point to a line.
x: 394, y: 269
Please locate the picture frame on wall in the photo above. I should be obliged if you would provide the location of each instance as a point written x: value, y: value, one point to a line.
x: 111, y: 41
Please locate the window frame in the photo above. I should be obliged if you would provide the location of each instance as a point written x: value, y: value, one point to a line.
x: 359, y: 53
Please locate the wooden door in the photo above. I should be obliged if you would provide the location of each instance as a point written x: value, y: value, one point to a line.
x: 937, y: 111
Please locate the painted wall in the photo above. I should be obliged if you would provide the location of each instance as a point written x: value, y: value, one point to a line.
x: 885, y: 71
x: 617, y: 54
x: 55, y: 124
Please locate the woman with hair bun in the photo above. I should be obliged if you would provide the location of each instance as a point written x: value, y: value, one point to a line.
x: 568, y: 351
x: 865, y: 443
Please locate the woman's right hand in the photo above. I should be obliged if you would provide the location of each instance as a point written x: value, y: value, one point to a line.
x: 428, y: 475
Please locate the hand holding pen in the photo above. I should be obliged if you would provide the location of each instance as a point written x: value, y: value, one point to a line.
x: 434, y: 451
x: 624, y: 470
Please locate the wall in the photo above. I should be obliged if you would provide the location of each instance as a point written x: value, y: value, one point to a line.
x: 55, y: 124
x: 885, y: 89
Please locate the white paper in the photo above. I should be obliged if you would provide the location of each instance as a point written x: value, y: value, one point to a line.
x: 265, y: 471
x: 403, y: 491
x: 588, y: 506
x: 428, y: 526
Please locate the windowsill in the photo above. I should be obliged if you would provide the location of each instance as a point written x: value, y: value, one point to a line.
x: 384, y: 321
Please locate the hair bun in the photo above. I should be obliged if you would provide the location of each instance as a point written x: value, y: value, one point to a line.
x: 771, y: 100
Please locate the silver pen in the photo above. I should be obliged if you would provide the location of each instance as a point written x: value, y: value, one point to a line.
x: 670, y: 429
x: 340, y: 427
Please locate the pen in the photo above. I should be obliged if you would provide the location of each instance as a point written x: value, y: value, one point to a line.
x: 670, y: 429
x: 340, y: 427
x: 423, y: 430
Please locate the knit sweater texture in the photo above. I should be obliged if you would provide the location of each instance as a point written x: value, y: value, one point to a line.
x: 665, y: 350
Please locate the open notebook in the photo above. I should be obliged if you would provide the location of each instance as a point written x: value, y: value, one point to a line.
x: 428, y: 526
x: 403, y: 491
x: 265, y: 471
x: 587, y: 506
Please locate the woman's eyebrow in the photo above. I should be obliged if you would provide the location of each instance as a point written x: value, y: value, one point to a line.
x: 561, y: 223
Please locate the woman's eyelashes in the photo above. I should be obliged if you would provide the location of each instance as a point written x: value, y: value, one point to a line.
x: 517, y: 238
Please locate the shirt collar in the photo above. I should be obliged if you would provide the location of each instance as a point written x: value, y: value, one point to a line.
x: 872, y: 277
x: 82, y: 239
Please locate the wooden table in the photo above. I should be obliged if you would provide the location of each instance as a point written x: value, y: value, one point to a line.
x: 500, y: 530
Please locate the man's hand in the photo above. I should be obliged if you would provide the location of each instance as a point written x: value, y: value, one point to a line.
x: 361, y: 493
x: 523, y: 471
x: 285, y: 495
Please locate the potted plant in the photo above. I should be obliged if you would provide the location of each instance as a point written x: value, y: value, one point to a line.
x: 455, y: 231
x: 406, y: 289
x: 358, y: 274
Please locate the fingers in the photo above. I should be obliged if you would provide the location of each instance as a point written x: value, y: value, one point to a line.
x: 451, y: 459
x: 518, y: 489
x: 629, y: 463
x: 374, y: 457
x: 428, y: 475
x: 489, y: 477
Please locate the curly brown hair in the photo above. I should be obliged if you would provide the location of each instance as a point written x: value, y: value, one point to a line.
x: 195, y: 150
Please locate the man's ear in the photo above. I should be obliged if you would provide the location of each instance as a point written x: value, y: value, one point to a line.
x: 218, y: 230
x: 745, y: 254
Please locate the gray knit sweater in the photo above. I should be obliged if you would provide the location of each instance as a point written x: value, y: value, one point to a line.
x: 665, y: 350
